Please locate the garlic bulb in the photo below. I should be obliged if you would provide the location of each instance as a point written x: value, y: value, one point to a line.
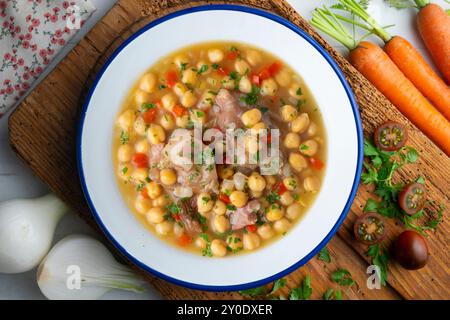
x: 80, y: 267
x: 26, y: 231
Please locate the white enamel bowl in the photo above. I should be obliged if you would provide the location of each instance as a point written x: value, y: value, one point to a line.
x: 327, y: 84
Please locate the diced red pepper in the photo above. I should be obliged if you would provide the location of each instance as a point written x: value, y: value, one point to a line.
x: 279, y: 188
x: 171, y: 78
x: 256, y: 80
x: 224, y: 198
x: 264, y: 74
x: 269, y: 138
x: 184, y: 240
x: 144, y: 193
x: 140, y: 160
x: 149, y: 115
x: 316, y: 163
x: 275, y: 67
x: 158, y: 104
x: 251, y: 228
x: 232, y: 55
x: 223, y: 71
x: 179, y: 110
x: 177, y: 217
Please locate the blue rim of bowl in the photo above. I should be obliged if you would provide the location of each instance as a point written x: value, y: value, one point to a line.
x: 356, y: 115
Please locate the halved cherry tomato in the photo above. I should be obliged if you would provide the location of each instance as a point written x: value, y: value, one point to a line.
x: 390, y: 136
x: 251, y: 228
x: 184, y: 240
x: 149, y: 115
x: 256, y: 80
x: 140, y: 160
x: 232, y: 55
x: 412, y: 198
x: 179, y: 110
x: 223, y: 71
x: 369, y: 228
x: 279, y: 188
x: 171, y: 78
x: 316, y: 163
x: 275, y: 67
x: 144, y: 193
x: 224, y: 198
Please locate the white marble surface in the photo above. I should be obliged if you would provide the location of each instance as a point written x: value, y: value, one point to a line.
x: 17, y: 181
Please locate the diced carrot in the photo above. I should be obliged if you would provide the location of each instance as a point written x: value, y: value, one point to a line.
x: 279, y: 188
x: 171, y: 78
x: 224, y: 198
x: 316, y: 163
x: 179, y: 110
x: 149, y: 115
x: 144, y: 193
x: 251, y: 228
x: 184, y: 240
x: 232, y: 55
x: 140, y: 160
x: 275, y: 67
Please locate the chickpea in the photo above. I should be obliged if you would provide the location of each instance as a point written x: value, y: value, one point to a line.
x: 181, y: 60
x: 292, y: 140
x: 168, y: 177
x: 161, y: 201
x: 309, y: 147
x: 268, y: 87
x: 283, y: 78
x: 125, y: 120
x: 238, y: 198
x: 275, y: 213
x: 256, y: 182
x: 286, y: 199
x: 282, y: 225
x: 256, y: 194
x: 251, y: 241
x: 300, y: 124
x: 148, y: 82
x: 189, y: 99
x: 124, y: 153
x: 234, y: 242
x: 245, y: 85
x: 155, y: 215
x: 225, y: 172
x: 215, y: 55
x: 265, y: 231
x: 312, y: 130
x: 168, y: 101
x: 218, y: 248
x: 156, y: 134
x: 219, y: 208
x: 141, y: 97
x: 139, y: 174
x: 200, y: 243
x: 291, y: 183
x: 254, y: 57
x: 297, y: 161
x: 164, y: 228
x: 182, y: 121
x: 179, y: 89
x: 153, y: 190
x: 241, y: 66
x: 228, y: 83
x: 204, y: 202
x: 221, y: 223
x: 207, y: 99
x: 140, y: 126
x: 295, y: 91
x: 142, y: 205
x: 251, y: 117
x: 178, y: 230
x: 288, y: 113
x: 124, y: 173
x: 270, y: 181
x: 189, y: 76
x: 198, y: 116
x: 311, y: 184
x: 257, y: 127
x: 167, y: 121
x: 294, y: 211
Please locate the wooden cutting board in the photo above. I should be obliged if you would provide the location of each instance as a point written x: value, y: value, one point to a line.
x: 43, y: 130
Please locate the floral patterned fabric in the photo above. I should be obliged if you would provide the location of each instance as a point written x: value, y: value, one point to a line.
x: 31, y: 33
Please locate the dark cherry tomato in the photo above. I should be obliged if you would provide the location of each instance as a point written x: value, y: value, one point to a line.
x: 412, y: 198
x: 411, y: 250
x: 390, y: 136
x: 369, y: 228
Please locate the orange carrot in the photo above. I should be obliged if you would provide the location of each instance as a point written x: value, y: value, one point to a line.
x: 379, y: 69
x: 416, y: 69
x: 434, y: 27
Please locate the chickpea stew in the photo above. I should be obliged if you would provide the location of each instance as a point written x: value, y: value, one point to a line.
x: 212, y: 208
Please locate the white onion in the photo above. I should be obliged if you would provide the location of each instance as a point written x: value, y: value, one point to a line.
x: 239, y: 180
x: 227, y: 184
x: 182, y: 192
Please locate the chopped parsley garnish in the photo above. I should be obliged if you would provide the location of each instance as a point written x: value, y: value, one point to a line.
x: 199, y: 114
x: 304, y: 147
x: 330, y: 294
x: 263, y: 109
x: 183, y: 66
x: 206, y: 200
x: 324, y: 255
x: 162, y: 87
x: 202, y: 69
x: 207, y: 251
x: 173, y: 208
x: 299, y: 91
x: 203, y: 222
x: 140, y: 186
x: 124, y: 137
x: 251, y: 98
x: 342, y: 277
x: 215, y: 66
x: 273, y: 197
x: 280, y: 283
x: 124, y: 170
x: 231, y: 207
x: 147, y: 106
x: 303, y: 292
